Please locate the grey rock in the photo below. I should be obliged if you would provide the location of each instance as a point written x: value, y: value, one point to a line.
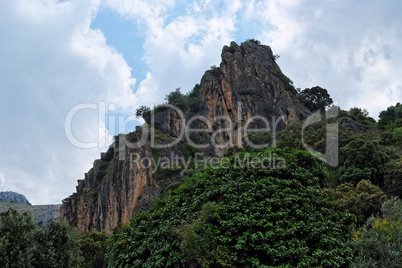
x: 13, y: 197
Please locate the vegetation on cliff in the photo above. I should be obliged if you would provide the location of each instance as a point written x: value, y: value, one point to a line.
x: 237, y: 214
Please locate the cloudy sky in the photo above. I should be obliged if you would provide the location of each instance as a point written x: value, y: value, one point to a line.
x: 70, y: 69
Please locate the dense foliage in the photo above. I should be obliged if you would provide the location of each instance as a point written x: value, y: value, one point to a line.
x: 16, y: 236
x: 236, y: 216
x: 391, y: 118
x: 360, y: 115
x: 93, y: 248
x: 379, y: 242
x: 360, y: 199
x: 363, y: 160
x: 22, y: 244
x: 56, y: 245
x: 315, y: 98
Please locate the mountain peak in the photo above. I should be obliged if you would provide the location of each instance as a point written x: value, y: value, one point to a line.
x: 13, y: 197
x: 246, y: 93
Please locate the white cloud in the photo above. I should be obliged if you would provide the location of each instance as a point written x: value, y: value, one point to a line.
x: 179, y: 49
x: 51, y: 61
x: 351, y: 49
x: 6, y: 184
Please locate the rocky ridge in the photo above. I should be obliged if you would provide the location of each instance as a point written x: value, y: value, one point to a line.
x: 248, y: 90
x: 13, y: 197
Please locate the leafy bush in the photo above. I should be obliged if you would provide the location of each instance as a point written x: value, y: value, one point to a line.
x: 161, y: 108
x: 357, y: 199
x: 93, y: 248
x: 392, y: 177
x: 315, y: 98
x: 361, y: 116
x: 177, y: 99
x: 16, y: 236
x: 363, y: 160
x: 391, y: 118
x: 166, y: 173
x: 260, y: 139
x: 379, y: 242
x: 22, y: 244
x: 193, y: 96
x: 254, y: 41
x: 215, y: 70
x: 228, y: 49
x: 397, y: 135
x: 141, y: 111
x: 57, y: 245
x: 241, y: 217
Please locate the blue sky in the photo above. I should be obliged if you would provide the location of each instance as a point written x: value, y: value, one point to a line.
x: 126, y: 36
x: 111, y: 56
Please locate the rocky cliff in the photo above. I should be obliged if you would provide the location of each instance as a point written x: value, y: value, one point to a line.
x: 247, y: 91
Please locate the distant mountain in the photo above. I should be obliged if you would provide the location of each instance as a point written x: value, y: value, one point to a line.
x: 13, y: 197
x: 41, y: 213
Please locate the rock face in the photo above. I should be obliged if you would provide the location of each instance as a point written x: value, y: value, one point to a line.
x: 350, y: 124
x: 247, y: 91
x: 12, y: 197
x: 119, y: 185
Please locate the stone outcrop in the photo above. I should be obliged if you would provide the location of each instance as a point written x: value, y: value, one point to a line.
x: 45, y: 213
x: 351, y: 125
x: 248, y: 90
x: 119, y: 185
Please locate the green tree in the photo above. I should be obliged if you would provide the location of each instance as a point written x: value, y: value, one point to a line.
x: 362, y: 160
x: 23, y: 244
x: 397, y: 136
x: 16, y: 239
x: 239, y: 215
x: 93, y: 248
x: 379, y: 242
x: 315, y: 98
x: 177, y: 99
x: 141, y: 111
x: 391, y: 118
x: 57, y: 245
x: 361, y: 116
x: 358, y: 199
x: 194, y: 102
x: 393, y: 177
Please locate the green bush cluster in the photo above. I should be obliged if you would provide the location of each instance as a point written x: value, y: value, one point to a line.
x: 189, y: 102
x: 22, y: 244
x: 315, y: 98
x: 56, y: 245
x: 241, y: 217
x: 391, y: 118
x: 379, y: 242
